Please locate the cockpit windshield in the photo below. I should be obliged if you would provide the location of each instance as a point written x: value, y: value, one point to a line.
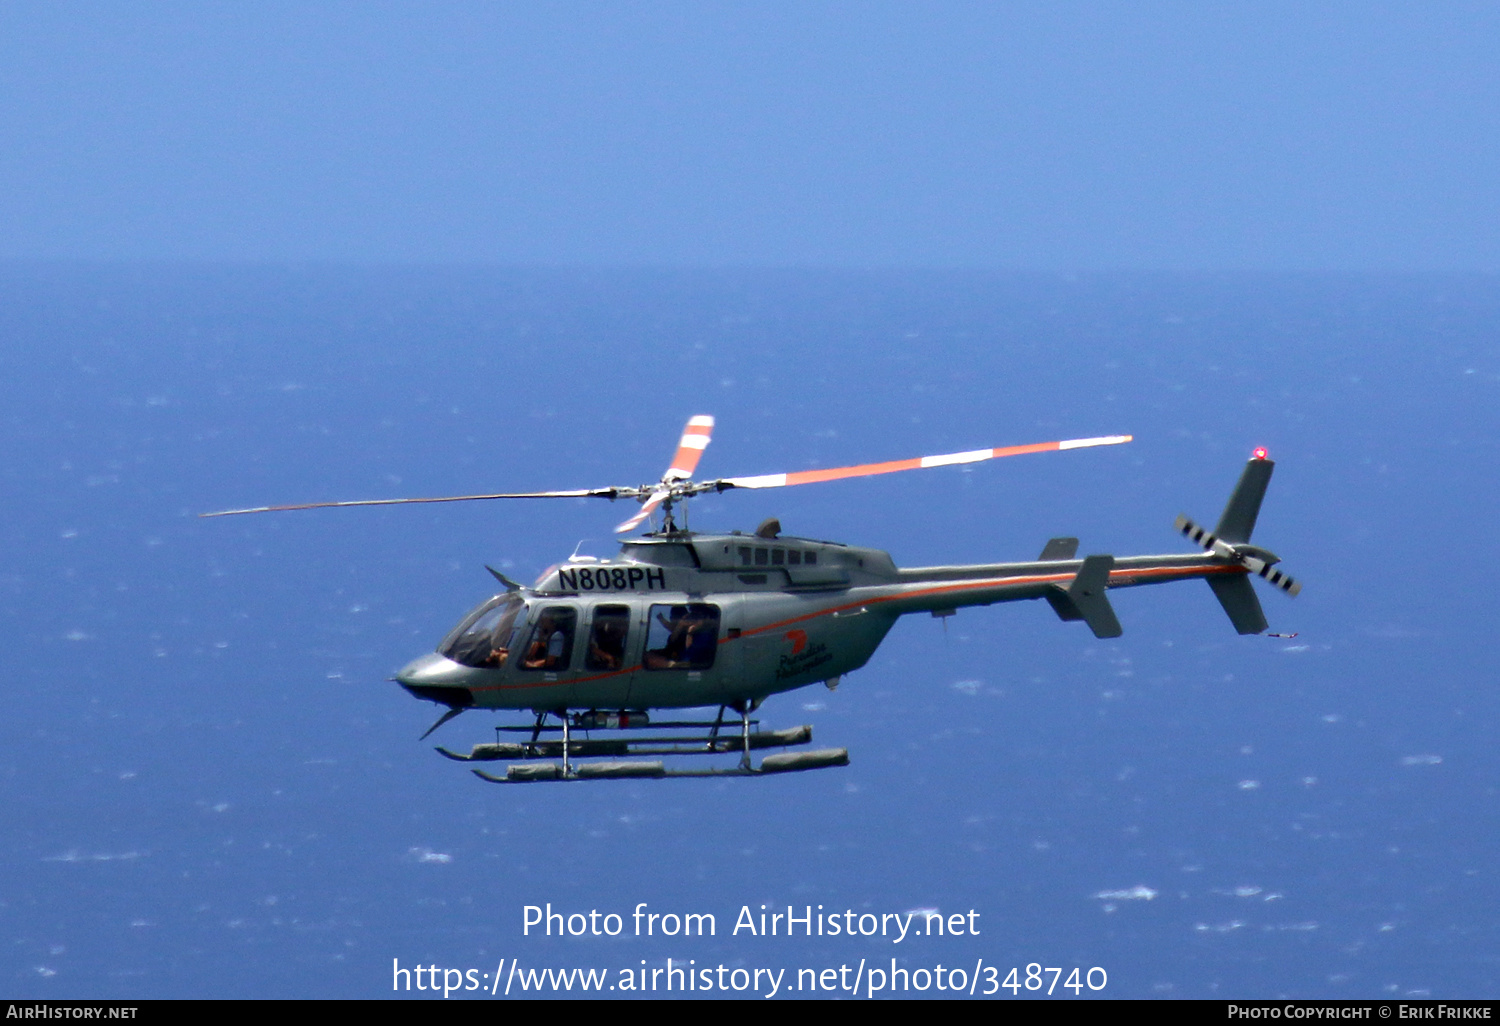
x: 483, y: 639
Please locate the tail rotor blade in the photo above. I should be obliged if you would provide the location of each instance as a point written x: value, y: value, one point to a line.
x: 1280, y: 580
x: 1200, y: 535
x: 1244, y: 554
x: 950, y: 459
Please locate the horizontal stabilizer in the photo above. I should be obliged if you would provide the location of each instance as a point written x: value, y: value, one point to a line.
x: 1239, y: 601
x: 1059, y: 548
x: 1085, y: 599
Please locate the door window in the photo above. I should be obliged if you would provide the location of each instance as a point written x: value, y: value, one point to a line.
x: 550, y: 646
x: 682, y: 637
x: 607, y: 638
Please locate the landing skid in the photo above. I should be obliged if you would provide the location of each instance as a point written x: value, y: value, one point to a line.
x: 787, y: 762
x: 569, y: 748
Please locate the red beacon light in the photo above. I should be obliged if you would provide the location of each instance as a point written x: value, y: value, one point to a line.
x: 1260, y: 452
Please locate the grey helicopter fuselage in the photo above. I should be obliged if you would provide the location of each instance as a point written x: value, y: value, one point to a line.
x: 683, y: 620
x: 680, y: 620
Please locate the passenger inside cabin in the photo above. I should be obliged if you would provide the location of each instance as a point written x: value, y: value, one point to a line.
x: 549, y: 643
x: 684, y: 638
x: 607, y: 641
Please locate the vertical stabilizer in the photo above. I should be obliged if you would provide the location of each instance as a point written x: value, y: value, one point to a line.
x: 1244, y: 505
x: 1239, y: 601
x: 1230, y: 541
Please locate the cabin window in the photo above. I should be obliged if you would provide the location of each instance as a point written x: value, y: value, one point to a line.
x: 810, y: 558
x: 606, y: 649
x: 761, y: 557
x: 550, y: 646
x: 793, y: 557
x: 744, y: 555
x: 778, y: 557
x: 659, y: 554
x: 682, y: 637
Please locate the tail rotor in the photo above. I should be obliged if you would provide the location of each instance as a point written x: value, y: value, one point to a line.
x: 1230, y: 541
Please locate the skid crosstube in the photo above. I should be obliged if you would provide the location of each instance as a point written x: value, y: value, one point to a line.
x: 771, y: 765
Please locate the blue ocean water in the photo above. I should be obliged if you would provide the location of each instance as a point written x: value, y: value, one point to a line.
x: 211, y: 788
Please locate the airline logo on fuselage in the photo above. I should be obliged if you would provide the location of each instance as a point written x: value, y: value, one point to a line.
x: 803, y: 657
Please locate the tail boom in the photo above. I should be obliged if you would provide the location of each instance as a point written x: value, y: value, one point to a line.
x: 1069, y: 585
x: 1076, y: 589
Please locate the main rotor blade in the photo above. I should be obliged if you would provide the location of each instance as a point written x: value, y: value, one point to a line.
x: 870, y: 469
x: 647, y: 508
x: 690, y: 449
x: 604, y: 493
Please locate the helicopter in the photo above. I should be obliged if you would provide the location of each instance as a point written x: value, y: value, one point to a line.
x: 682, y: 620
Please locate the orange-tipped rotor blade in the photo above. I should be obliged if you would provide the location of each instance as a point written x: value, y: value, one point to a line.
x: 690, y: 449
x: 870, y: 469
x: 647, y: 508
